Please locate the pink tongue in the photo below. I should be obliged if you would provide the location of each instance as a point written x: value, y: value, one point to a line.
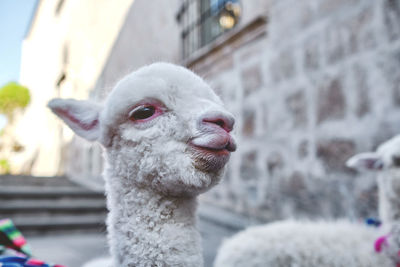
x: 216, y: 141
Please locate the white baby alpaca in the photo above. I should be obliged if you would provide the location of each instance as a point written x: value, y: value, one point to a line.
x: 166, y: 139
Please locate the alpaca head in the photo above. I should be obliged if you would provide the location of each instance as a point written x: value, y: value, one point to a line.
x: 162, y: 127
x: 385, y: 159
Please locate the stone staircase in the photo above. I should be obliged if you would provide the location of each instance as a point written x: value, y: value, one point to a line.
x: 48, y: 205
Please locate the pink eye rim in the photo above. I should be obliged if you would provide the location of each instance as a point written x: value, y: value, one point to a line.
x: 146, y: 111
x: 142, y: 113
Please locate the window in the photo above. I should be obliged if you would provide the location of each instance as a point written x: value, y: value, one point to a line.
x: 204, y: 20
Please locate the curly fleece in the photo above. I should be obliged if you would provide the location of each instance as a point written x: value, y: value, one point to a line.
x: 303, y: 244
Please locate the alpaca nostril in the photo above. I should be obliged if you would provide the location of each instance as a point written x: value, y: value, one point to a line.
x: 224, y: 122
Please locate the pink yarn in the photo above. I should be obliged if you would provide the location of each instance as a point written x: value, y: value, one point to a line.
x: 35, y: 262
x: 19, y: 241
x: 380, y: 243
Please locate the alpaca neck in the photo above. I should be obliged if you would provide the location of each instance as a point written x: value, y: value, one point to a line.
x: 389, y: 196
x: 148, y: 229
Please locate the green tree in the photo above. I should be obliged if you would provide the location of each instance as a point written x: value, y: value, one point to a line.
x: 13, y: 96
x: 5, y: 166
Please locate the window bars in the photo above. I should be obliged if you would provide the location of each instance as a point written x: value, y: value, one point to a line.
x: 204, y: 20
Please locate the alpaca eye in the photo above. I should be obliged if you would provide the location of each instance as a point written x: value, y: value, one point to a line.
x: 142, y: 113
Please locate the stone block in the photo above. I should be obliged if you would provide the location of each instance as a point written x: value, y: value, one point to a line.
x: 330, y: 7
x: 306, y: 13
x: 232, y: 198
x: 361, y: 30
x: 283, y: 67
x: 252, y: 198
x: 297, y: 106
x: 296, y: 182
x: 248, y: 168
x: 396, y: 93
x: 264, y: 116
x: 331, y: 101
x: 334, y: 153
x: 275, y: 162
x: 302, y: 150
x: 312, y: 53
x: 251, y: 79
x: 291, y: 18
x: 388, y: 65
x: 248, y: 122
x: 295, y: 188
x: 335, y: 45
x: 391, y: 12
x: 362, y: 90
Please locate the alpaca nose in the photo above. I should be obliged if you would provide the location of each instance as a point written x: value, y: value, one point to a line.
x: 222, y: 120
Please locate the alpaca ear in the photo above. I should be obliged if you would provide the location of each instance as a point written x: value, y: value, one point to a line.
x: 365, y: 161
x: 81, y: 116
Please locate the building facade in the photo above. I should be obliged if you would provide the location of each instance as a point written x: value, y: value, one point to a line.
x: 62, y: 55
x: 310, y: 82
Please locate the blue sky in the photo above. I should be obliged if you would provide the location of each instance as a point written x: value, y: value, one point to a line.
x: 15, y: 16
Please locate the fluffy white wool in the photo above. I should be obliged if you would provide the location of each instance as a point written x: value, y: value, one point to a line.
x: 152, y: 175
x: 308, y: 244
x: 99, y: 262
x: 303, y: 244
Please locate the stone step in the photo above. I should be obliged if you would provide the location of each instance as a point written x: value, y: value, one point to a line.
x: 39, y: 205
x: 92, y: 202
x: 35, y: 192
x: 22, y: 180
x: 60, y: 207
x: 56, y: 217
x: 29, y: 225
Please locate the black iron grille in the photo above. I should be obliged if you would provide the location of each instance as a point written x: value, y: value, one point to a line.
x: 200, y: 23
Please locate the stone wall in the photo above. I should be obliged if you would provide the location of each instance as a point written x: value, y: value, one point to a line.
x: 311, y: 84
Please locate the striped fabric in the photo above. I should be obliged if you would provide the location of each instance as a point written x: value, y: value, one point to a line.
x: 14, y: 251
x: 12, y: 238
x: 15, y: 261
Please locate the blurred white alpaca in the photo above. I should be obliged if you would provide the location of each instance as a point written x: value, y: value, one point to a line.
x: 333, y: 244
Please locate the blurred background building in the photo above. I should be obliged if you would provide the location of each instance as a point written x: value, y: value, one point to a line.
x: 310, y: 82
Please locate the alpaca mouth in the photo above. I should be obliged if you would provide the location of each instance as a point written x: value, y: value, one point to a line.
x: 211, y: 153
x: 214, y: 143
x: 214, y: 151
